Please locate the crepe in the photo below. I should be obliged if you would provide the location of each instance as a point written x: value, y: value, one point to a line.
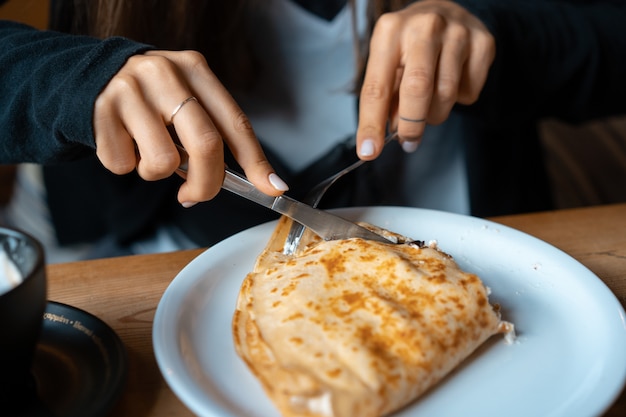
x: 357, y: 328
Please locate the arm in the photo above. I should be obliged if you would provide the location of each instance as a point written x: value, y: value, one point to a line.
x: 64, y: 95
x: 48, y: 86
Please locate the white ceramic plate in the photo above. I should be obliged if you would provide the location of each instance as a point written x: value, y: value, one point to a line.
x: 569, y: 359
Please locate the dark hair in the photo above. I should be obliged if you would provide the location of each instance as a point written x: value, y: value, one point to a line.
x: 214, y: 28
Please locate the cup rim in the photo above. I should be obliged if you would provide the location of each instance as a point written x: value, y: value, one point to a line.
x: 35, y: 244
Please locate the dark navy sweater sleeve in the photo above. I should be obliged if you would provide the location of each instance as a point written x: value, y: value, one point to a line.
x: 554, y: 58
x: 48, y: 85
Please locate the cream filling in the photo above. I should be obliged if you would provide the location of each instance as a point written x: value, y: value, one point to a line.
x: 319, y: 405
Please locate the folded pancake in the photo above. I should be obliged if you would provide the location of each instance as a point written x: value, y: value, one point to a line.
x: 357, y: 328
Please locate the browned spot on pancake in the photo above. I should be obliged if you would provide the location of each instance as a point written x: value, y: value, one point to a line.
x: 334, y: 263
x: 368, y: 257
x: 380, y: 347
x: 440, y: 322
x: 294, y: 316
x: 297, y: 340
x: 316, y: 320
x: 457, y: 302
x: 458, y: 338
x: 437, y: 279
x: 289, y: 288
x: 386, y: 269
x: 352, y: 297
x: 425, y: 300
x: 334, y: 373
x: 483, y: 320
x: 481, y: 301
x: 470, y: 279
x: 393, y: 379
x: 276, y: 303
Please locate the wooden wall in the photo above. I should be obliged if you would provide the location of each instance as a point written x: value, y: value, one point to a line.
x: 32, y: 12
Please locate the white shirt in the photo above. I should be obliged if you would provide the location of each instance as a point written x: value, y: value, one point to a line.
x: 303, y: 101
x: 302, y: 104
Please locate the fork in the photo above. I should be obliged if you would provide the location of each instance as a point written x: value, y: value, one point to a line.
x: 314, y: 196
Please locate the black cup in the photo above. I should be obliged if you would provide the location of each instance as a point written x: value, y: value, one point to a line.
x: 21, y: 318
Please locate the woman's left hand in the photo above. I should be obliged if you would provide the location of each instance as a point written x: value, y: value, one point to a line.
x: 423, y: 59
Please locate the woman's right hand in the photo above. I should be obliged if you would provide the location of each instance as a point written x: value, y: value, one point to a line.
x: 423, y: 60
x: 132, y: 113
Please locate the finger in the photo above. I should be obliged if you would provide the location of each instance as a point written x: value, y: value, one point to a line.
x: 476, y: 70
x: 452, y: 60
x: 203, y: 142
x: 393, y: 105
x: 158, y: 157
x: 231, y: 122
x: 193, y: 128
x: 377, y: 88
x: 129, y: 123
x: 115, y: 148
x: 418, y: 83
x: 243, y: 143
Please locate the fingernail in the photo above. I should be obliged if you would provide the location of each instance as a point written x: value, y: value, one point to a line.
x: 411, y: 146
x: 367, y: 148
x: 277, y: 182
x: 188, y: 204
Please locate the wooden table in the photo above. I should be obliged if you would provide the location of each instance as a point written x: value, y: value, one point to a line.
x: 125, y: 292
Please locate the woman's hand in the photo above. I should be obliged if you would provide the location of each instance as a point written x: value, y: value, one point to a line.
x: 132, y: 113
x: 423, y: 59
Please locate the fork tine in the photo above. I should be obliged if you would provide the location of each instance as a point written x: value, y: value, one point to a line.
x: 313, y: 198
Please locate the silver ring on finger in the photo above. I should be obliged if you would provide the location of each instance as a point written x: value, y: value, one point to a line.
x: 180, y: 106
x: 408, y: 119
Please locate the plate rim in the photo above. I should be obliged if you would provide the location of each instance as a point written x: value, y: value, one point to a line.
x: 354, y: 213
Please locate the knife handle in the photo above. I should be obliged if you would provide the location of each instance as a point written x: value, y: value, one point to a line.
x: 239, y: 185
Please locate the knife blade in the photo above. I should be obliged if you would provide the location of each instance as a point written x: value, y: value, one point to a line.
x: 326, y: 225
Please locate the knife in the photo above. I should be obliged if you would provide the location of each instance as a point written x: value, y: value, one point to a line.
x: 326, y: 225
